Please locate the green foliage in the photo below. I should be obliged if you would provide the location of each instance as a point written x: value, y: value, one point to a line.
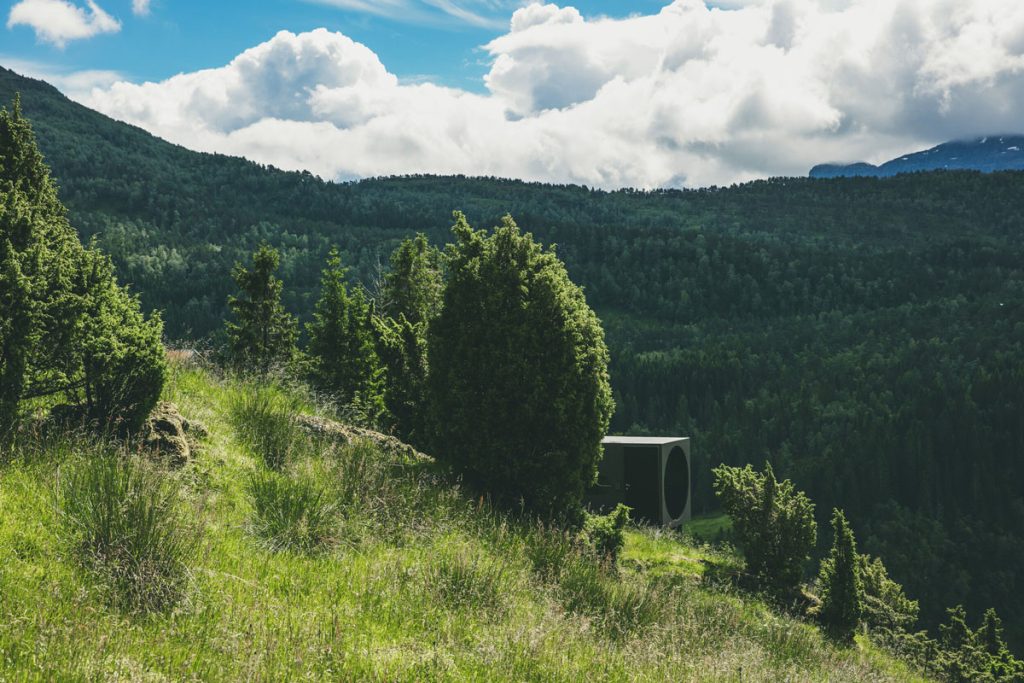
x: 343, y: 360
x: 123, y: 359
x: 842, y: 592
x: 518, y: 373
x: 402, y: 349
x: 620, y: 607
x: 606, y: 533
x: 66, y: 327
x: 414, y: 285
x: 264, y: 420
x: 374, y: 610
x: 461, y: 580
x: 886, y: 607
x: 123, y: 522
x: 788, y: 317
x: 411, y: 297
x: 263, y: 334
x: 290, y: 513
x: 773, y: 523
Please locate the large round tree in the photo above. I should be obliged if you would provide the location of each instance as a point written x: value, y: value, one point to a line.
x: 518, y: 373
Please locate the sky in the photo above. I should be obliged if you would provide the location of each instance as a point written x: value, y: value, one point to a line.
x: 604, y: 93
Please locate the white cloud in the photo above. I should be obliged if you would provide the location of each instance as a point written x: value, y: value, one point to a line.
x: 140, y: 8
x: 59, y: 21
x: 693, y: 95
x: 482, y: 13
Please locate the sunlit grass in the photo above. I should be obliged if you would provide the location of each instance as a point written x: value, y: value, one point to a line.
x: 413, y: 583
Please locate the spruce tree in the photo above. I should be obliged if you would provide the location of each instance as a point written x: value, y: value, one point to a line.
x: 842, y: 594
x: 263, y: 334
x: 518, y: 373
x: 342, y: 351
x: 410, y: 301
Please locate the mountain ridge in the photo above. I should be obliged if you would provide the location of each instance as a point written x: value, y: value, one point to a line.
x: 987, y: 154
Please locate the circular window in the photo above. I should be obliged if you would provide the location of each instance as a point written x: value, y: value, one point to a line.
x: 677, y: 483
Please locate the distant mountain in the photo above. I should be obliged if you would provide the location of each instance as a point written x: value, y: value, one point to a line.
x: 995, y: 153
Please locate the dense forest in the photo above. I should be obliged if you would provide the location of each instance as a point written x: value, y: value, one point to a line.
x: 863, y: 335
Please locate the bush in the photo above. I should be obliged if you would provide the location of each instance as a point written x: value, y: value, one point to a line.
x: 773, y: 522
x: 605, y: 533
x: 122, y: 521
x: 66, y: 327
x: 886, y: 606
x: 264, y: 420
x: 290, y: 514
x: 518, y: 379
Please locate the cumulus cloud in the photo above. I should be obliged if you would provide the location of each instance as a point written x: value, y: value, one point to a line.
x: 140, y: 8
x: 59, y: 21
x: 693, y: 95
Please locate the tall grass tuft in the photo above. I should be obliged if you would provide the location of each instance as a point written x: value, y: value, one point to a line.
x: 463, y: 580
x: 293, y: 514
x: 122, y: 519
x: 264, y: 420
x: 585, y: 587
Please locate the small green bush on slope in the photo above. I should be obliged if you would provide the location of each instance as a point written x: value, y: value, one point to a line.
x: 374, y: 607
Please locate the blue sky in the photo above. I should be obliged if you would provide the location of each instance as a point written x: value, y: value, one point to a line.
x: 186, y: 35
x: 646, y: 93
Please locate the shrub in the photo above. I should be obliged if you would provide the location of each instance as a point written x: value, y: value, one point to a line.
x: 886, y: 606
x: 264, y: 420
x: 605, y: 533
x: 122, y: 520
x: 773, y: 522
x: 292, y: 514
x: 518, y: 380
x: 842, y: 594
x: 66, y: 327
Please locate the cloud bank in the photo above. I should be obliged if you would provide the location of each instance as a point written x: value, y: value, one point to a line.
x: 689, y: 96
x: 59, y: 22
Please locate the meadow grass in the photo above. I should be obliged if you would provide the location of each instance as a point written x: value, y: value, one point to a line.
x: 415, y: 583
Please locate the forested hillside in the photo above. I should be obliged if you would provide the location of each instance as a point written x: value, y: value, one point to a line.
x: 864, y: 335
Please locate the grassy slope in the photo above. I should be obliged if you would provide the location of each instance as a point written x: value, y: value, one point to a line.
x: 371, y: 608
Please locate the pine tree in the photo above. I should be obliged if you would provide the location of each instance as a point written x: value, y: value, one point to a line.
x: 842, y: 593
x: 342, y: 352
x: 264, y: 334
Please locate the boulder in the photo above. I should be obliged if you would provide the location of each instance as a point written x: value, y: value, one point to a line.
x: 169, y: 433
x: 389, y: 445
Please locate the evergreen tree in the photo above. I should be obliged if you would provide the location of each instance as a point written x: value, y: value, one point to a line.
x: 411, y: 299
x: 414, y: 285
x: 887, y: 609
x: 264, y: 334
x: 842, y: 593
x: 66, y: 327
x: 518, y: 373
x: 402, y: 348
x: 343, y: 359
x: 773, y: 522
